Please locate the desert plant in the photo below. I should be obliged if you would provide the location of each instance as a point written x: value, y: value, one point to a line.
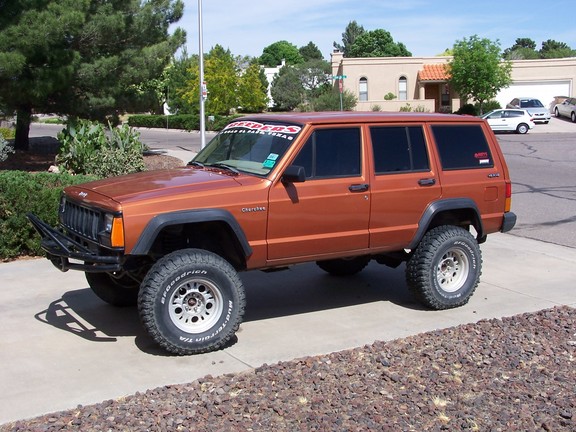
x: 5, y: 149
x: 90, y: 148
x: 389, y: 96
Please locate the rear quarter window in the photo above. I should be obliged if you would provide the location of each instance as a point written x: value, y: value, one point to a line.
x: 462, y: 147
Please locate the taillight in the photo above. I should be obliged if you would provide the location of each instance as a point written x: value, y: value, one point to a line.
x: 508, y: 196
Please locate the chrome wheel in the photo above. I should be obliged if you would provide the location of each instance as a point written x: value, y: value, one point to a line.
x: 452, y: 270
x: 195, y: 306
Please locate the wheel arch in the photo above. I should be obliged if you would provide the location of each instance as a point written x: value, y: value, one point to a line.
x: 453, y: 211
x: 196, y: 228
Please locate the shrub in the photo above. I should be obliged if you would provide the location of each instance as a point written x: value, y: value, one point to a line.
x: 7, y: 133
x: 389, y: 96
x: 488, y: 106
x: 467, y: 109
x: 20, y: 193
x: 376, y: 108
x: 187, y: 122
x: 89, y: 148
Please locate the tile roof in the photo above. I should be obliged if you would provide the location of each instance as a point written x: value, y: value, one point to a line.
x: 433, y: 72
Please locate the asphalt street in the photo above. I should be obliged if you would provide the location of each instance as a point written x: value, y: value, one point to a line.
x: 61, y: 346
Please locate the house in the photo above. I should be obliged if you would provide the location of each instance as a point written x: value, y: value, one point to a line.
x: 421, y: 83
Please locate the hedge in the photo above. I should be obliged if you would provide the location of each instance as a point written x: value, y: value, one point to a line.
x: 22, y: 192
x: 179, y: 121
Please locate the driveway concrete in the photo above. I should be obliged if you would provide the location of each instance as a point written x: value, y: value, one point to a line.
x: 61, y: 346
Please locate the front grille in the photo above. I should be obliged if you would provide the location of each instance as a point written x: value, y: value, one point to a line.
x: 80, y: 220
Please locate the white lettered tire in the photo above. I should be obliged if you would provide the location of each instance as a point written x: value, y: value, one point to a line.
x: 191, y: 301
x: 445, y: 269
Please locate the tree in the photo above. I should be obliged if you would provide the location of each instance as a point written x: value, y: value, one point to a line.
x: 221, y: 76
x: 553, y: 49
x: 315, y: 77
x: 476, y: 70
x: 352, y: 31
x: 523, y: 49
x: 330, y: 101
x: 81, y: 57
x: 287, y: 90
x: 377, y: 43
x: 273, y: 55
x: 311, y: 52
x: 252, y: 95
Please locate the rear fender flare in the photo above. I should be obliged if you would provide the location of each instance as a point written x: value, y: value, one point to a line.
x: 445, y: 205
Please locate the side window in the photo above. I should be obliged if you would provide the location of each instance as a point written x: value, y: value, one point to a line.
x: 403, y: 88
x: 331, y: 153
x: 462, y: 147
x: 399, y: 148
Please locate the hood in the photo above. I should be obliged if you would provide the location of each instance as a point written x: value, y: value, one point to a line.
x: 156, y: 184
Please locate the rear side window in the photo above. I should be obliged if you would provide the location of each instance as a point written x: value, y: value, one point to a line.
x: 462, y: 147
x: 331, y: 153
x: 399, y: 149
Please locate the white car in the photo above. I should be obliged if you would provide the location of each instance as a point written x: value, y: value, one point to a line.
x: 513, y: 120
x: 567, y: 109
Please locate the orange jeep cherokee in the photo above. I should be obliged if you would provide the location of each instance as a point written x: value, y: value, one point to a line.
x: 270, y: 191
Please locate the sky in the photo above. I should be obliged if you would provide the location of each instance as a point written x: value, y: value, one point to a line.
x: 427, y: 28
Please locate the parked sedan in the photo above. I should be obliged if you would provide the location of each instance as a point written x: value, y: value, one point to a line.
x: 536, y: 109
x: 566, y: 109
x: 512, y: 120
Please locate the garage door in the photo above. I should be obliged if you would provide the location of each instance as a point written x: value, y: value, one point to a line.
x: 543, y: 90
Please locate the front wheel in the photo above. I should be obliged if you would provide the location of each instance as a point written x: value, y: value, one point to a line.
x: 522, y: 128
x: 556, y: 112
x: 445, y: 268
x: 573, y: 117
x: 191, y: 301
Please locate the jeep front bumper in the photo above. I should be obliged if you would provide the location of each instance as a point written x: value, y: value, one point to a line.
x: 60, y: 249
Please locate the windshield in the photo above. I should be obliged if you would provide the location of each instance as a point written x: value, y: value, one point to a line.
x: 531, y: 103
x: 249, y: 146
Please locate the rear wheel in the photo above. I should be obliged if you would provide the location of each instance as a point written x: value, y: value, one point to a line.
x: 445, y: 268
x: 192, y: 301
x: 344, y: 266
x: 573, y: 117
x: 522, y: 128
x: 556, y: 113
x: 117, y: 289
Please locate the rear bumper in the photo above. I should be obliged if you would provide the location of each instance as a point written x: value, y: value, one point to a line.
x: 508, y: 222
x: 60, y: 249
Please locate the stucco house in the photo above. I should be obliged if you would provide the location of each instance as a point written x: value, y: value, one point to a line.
x: 422, y: 82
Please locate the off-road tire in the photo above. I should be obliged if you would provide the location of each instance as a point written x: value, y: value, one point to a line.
x: 117, y: 290
x: 445, y: 269
x: 344, y: 266
x: 191, y: 301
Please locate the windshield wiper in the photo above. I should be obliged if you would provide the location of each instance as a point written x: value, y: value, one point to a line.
x: 196, y: 164
x: 225, y: 166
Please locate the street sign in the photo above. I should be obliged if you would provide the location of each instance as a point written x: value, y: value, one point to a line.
x: 338, y: 77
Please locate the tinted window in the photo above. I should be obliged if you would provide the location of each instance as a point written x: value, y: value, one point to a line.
x: 399, y: 148
x: 331, y: 153
x: 462, y: 147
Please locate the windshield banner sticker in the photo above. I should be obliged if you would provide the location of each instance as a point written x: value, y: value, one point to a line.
x: 260, y: 128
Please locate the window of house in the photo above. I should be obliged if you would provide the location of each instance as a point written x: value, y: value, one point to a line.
x: 331, y: 153
x: 462, y: 147
x: 363, y: 90
x: 403, y: 88
x: 399, y: 149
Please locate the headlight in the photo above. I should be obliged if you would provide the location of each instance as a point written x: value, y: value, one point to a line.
x: 113, y: 233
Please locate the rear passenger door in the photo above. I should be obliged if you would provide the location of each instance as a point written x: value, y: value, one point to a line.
x: 328, y: 213
x: 404, y: 183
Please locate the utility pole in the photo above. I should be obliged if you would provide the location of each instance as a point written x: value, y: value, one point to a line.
x: 203, y: 92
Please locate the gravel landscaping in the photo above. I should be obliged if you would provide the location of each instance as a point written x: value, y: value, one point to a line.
x: 511, y: 374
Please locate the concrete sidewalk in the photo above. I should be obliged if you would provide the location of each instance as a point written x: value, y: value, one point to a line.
x: 61, y: 346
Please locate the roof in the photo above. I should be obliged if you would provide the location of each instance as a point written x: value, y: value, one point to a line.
x: 434, y: 72
x: 355, y: 117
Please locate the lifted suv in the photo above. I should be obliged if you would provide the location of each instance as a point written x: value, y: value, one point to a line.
x: 269, y: 191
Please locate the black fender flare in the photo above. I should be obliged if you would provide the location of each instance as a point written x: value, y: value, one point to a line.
x: 444, y: 205
x: 161, y: 221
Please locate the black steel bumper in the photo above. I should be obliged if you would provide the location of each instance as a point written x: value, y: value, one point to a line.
x: 60, y: 249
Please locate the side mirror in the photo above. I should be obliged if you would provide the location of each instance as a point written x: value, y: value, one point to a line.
x: 294, y: 174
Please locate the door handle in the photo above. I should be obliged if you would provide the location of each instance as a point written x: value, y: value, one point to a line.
x: 427, y: 182
x: 358, y: 187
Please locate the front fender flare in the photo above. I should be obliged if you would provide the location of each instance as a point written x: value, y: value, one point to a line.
x: 161, y: 221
